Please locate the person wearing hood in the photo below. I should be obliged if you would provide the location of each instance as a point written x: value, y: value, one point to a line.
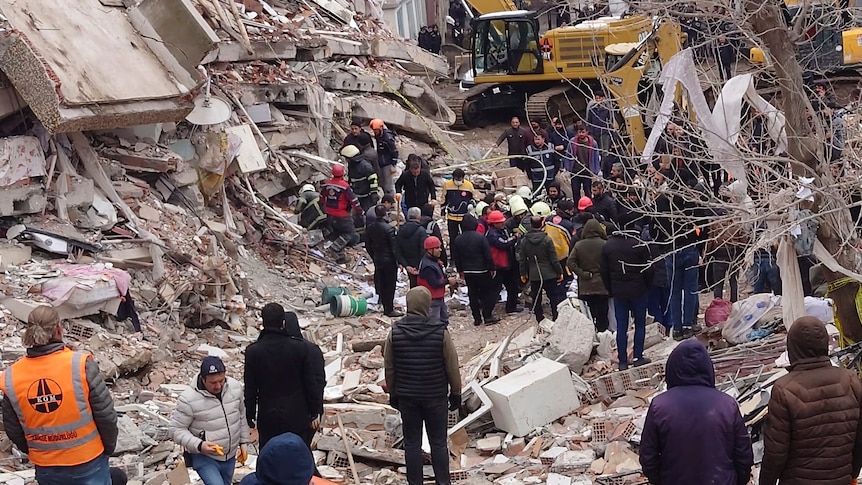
x: 626, y: 275
x: 283, y: 385
x: 585, y: 261
x: 813, y: 430
x: 410, y: 239
x: 210, y: 423
x: 694, y: 433
x: 424, y: 383
x: 539, y: 265
x: 472, y: 255
x: 285, y: 460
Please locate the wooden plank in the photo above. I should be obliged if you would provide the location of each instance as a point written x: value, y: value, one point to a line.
x: 249, y: 158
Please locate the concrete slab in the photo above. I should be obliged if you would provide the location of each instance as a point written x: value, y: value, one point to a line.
x: 532, y: 396
x: 27, y: 199
x: 13, y: 254
x: 405, y: 51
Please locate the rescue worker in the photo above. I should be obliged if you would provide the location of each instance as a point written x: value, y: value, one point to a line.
x: 56, y: 407
x: 561, y: 235
x: 502, y: 244
x: 424, y: 383
x: 543, y: 170
x: 210, y: 423
x: 476, y: 267
x: 311, y: 216
x: 338, y: 200
x: 541, y: 267
x: 432, y: 276
x: 387, y: 155
x: 456, y: 197
x: 361, y: 176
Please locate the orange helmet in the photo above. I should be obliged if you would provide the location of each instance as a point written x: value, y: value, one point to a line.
x: 338, y: 170
x: 376, y: 124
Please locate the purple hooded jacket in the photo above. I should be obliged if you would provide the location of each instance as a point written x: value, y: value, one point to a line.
x: 694, y: 433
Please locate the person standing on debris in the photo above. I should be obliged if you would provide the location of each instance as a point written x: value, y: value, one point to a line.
x: 583, y: 161
x: 410, y: 240
x: 600, y: 122
x: 813, y: 431
x: 626, y: 275
x: 56, y: 407
x: 387, y: 154
x: 517, y: 140
x: 311, y: 216
x: 361, y: 139
x: 476, y: 267
x: 585, y: 261
x: 361, y: 176
x: 539, y: 265
x: 502, y: 242
x: 424, y: 383
x: 456, y: 197
x: 433, y: 276
x: 383, y: 249
x: 545, y: 163
x: 417, y: 185
x: 694, y: 433
x: 338, y: 200
x: 284, y: 379
x: 210, y: 423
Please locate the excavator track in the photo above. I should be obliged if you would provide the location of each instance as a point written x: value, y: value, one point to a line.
x: 467, y: 112
x: 563, y: 100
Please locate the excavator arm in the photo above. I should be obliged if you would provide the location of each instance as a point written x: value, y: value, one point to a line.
x: 627, y: 63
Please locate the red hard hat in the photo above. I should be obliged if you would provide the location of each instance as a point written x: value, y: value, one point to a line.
x: 584, y: 202
x: 496, y: 217
x: 338, y: 170
x: 376, y: 124
x: 432, y: 242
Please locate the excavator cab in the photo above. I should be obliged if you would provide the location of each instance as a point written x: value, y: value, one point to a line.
x: 506, y: 43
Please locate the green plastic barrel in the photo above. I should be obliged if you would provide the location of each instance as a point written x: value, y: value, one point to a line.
x: 331, y: 292
x: 347, y: 306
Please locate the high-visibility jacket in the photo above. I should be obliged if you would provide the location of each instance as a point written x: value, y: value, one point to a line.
x: 456, y: 199
x: 50, y: 396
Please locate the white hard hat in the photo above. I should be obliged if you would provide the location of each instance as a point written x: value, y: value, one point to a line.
x: 541, y: 209
x: 524, y: 192
x: 480, y: 206
x: 517, y: 205
x: 306, y: 188
x: 349, y: 151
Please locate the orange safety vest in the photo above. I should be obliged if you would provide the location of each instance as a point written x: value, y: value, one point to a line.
x: 50, y: 397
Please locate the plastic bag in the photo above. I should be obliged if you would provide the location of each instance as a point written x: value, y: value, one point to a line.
x: 717, y: 312
x: 744, y: 316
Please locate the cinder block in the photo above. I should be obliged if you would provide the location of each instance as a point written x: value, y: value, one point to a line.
x: 532, y: 396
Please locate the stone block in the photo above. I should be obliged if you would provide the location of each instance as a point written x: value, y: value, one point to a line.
x: 14, y: 254
x: 26, y: 199
x: 532, y: 396
x: 571, y: 339
x: 81, y: 191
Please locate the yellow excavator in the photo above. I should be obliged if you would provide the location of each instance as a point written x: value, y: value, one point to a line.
x: 832, y: 38
x: 551, y: 74
x: 631, y: 77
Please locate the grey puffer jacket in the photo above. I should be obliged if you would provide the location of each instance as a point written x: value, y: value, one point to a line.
x: 222, y: 421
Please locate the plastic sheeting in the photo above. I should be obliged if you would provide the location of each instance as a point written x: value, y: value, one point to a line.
x: 793, y: 297
x: 721, y: 126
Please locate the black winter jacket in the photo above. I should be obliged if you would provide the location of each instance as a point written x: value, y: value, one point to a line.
x: 418, y: 190
x: 100, y: 402
x: 282, y: 390
x: 380, y: 243
x: 625, y: 271
x: 411, y: 244
x: 605, y: 205
x: 472, y: 253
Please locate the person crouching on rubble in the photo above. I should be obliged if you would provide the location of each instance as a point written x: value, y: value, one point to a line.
x: 433, y: 277
x: 311, y: 215
x: 60, y: 395
x: 338, y: 200
x: 812, y: 432
x: 210, y: 424
x: 424, y: 383
x: 694, y: 433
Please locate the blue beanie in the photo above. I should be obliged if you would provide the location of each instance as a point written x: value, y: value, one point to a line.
x: 284, y: 460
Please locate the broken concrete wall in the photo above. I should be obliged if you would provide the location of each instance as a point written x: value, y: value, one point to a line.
x: 84, y: 66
